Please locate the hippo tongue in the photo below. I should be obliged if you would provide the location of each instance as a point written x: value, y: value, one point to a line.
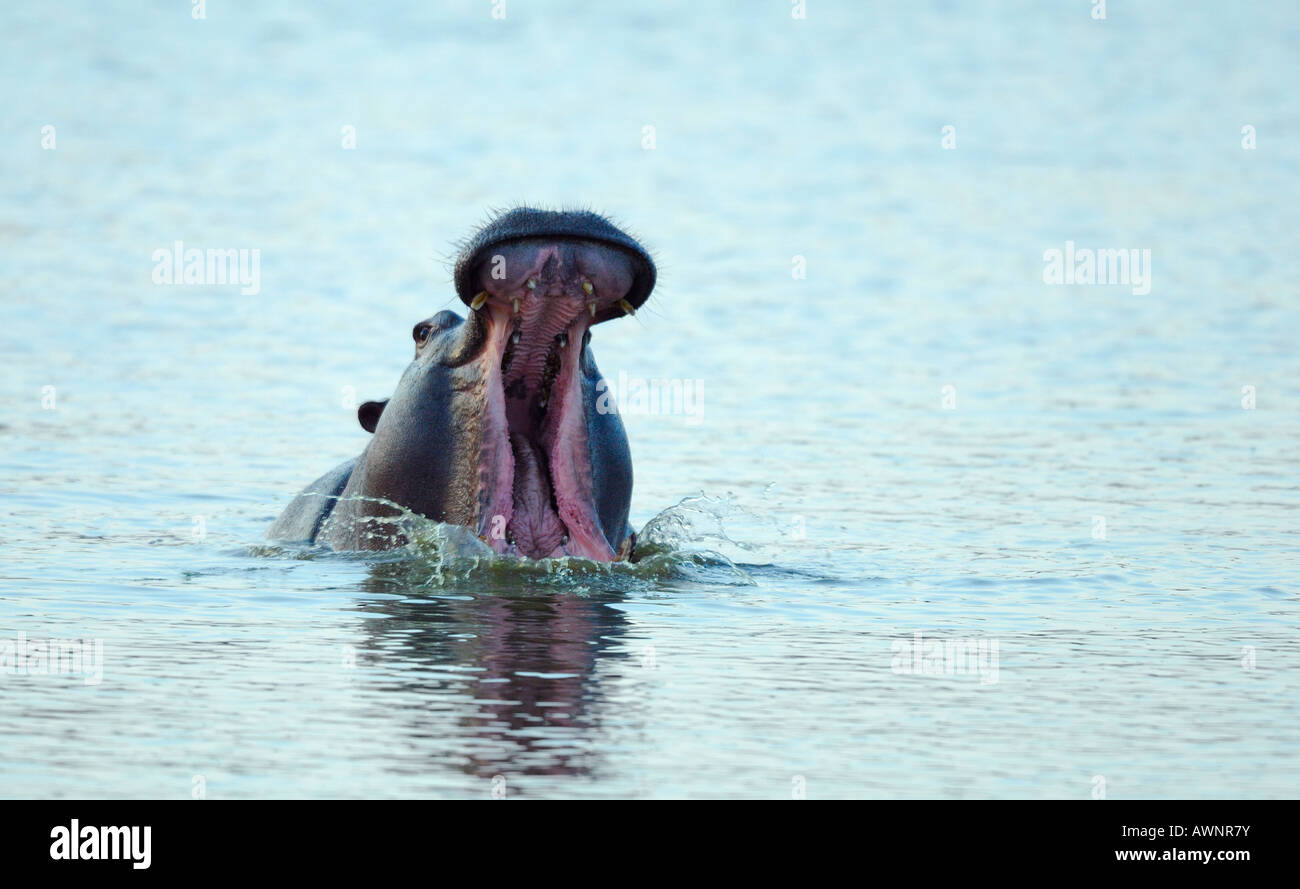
x: 537, y: 529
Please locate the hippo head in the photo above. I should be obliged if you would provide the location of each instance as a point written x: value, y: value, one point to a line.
x: 501, y: 423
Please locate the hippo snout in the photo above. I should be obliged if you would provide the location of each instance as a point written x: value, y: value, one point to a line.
x: 576, y: 252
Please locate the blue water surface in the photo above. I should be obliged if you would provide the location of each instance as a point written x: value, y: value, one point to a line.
x: 1090, y: 490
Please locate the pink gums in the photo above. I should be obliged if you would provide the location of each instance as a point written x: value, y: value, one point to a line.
x: 530, y: 419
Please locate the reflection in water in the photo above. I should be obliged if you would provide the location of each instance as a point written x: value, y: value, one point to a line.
x: 509, y: 674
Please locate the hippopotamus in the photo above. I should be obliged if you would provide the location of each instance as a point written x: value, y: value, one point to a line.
x: 502, y: 422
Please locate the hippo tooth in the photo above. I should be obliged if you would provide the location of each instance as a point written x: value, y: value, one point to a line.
x: 627, y: 306
x: 591, y: 306
x: 516, y: 307
x: 514, y: 337
x: 563, y: 338
x: 587, y: 288
x: 479, y: 300
x: 532, y: 283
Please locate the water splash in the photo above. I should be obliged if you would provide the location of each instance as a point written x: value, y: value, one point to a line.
x: 681, y: 543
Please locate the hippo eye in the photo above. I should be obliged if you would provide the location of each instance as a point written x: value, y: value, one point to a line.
x: 421, y: 332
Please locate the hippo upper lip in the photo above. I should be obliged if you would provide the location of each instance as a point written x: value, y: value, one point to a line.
x: 527, y: 223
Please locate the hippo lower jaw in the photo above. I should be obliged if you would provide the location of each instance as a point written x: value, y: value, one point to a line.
x: 536, y: 490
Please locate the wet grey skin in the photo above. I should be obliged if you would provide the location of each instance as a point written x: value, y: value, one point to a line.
x: 502, y: 422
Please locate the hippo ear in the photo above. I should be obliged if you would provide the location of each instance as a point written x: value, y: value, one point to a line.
x: 369, y: 413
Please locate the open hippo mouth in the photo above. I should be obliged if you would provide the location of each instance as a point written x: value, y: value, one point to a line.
x: 536, y: 282
x: 500, y: 423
